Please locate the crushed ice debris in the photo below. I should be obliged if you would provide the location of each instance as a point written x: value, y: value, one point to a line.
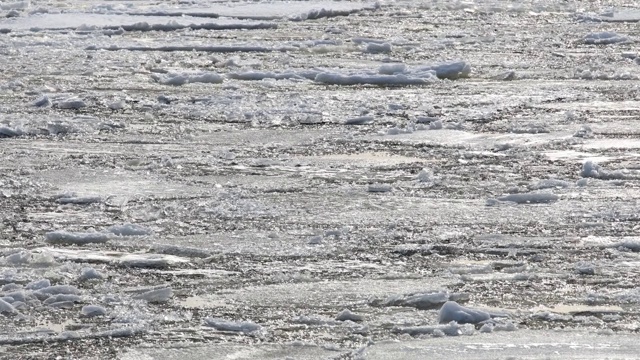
x: 129, y: 230
x: 65, y: 237
x: 346, y: 314
x: 604, y: 38
x: 450, y: 329
x: 530, y: 198
x: 42, y: 101
x: 72, y: 103
x: 93, y: 310
x: 156, y: 295
x: 379, y: 188
x: 452, y: 311
x: 315, y: 240
x: 241, y: 326
x: 360, y: 120
x: 182, y: 79
x: 89, y: 273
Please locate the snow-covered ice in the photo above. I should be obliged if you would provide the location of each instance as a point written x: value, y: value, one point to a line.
x: 604, y: 38
x: 530, y: 198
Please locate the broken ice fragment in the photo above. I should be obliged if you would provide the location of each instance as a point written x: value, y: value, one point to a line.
x: 73, y: 103
x: 345, y: 315
x: 93, y: 310
x: 129, y: 230
x: 379, y: 188
x: 530, y: 198
x: 452, y: 311
x: 65, y: 237
x: 156, y: 295
x: 241, y: 326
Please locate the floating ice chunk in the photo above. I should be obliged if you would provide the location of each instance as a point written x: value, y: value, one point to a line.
x: 73, y: 103
x: 452, y: 70
x: 315, y: 240
x: 391, y: 69
x: 452, y: 311
x: 426, y: 301
x: 93, y: 310
x: 530, y: 198
x: 65, y: 237
x: 582, y: 182
x: 590, y: 169
x: 18, y: 296
x: 183, y: 251
x: 18, y: 5
x: 79, y: 200
x: 223, y: 325
x: 450, y: 329
x: 360, y: 120
x: 584, y: 132
x: 551, y: 183
x: 585, y: 269
x: 10, y: 132
x: 129, y: 230
x: 10, y: 287
x: 45, y: 293
x: 379, y: 188
x: 62, y: 297
x: 373, y: 48
x: 43, y: 101
x: 313, y: 320
x: 632, y: 245
x: 182, y: 79
x: 117, y: 105
x: 89, y: 273
x: 156, y: 295
x: 18, y: 258
x: 345, y: 315
x: 435, y: 125
x: 6, y: 308
x: 209, y: 49
x: 368, y: 79
x: 491, y: 327
x: 424, y: 175
x: 604, y: 38
x: 39, y: 284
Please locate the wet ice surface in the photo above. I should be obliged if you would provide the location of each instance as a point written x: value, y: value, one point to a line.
x: 318, y: 179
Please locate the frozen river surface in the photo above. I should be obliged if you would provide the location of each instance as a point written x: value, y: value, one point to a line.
x: 319, y: 180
